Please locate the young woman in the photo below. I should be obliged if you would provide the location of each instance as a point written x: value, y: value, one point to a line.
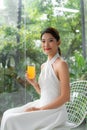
x: 48, y: 112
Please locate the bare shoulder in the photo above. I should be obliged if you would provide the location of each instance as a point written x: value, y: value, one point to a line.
x: 62, y: 69
x: 61, y: 63
x: 61, y: 66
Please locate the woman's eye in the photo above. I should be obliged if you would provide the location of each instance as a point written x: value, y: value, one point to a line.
x: 47, y: 41
x: 43, y: 41
x: 51, y: 40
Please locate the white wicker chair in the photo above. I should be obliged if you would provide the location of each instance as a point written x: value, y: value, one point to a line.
x: 77, y: 107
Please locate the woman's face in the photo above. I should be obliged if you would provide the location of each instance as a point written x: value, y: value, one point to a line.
x: 49, y: 44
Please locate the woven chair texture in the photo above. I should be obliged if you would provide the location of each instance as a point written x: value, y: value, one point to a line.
x: 77, y: 106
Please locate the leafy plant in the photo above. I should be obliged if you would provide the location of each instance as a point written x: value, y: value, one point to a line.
x: 77, y: 64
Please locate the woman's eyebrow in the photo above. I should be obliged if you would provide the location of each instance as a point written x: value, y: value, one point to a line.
x: 48, y: 38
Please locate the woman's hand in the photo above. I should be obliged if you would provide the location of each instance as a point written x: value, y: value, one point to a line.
x: 31, y: 81
x: 32, y: 109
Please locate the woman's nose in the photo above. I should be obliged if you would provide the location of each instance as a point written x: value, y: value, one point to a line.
x: 46, y: 43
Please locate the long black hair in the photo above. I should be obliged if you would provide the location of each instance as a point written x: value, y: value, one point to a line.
x: 54, y: 32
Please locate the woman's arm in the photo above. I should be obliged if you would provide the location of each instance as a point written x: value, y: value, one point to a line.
x: 36, y: 86
x: 34, y: 83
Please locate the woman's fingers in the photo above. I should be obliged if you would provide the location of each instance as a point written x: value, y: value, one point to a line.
x: 32, y: 109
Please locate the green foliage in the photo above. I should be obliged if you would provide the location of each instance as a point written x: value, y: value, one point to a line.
x: 40, y: 14
x: 10, y: 31
x: 11, y: 51
x: 77, y: 65
x: 18, y: 45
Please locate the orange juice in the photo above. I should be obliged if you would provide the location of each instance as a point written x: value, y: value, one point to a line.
x: 31, y: 71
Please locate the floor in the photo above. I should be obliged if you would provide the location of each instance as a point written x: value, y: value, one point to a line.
x: 81, y: 127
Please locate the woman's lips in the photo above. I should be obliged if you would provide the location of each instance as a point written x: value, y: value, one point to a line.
x: 47, y: 49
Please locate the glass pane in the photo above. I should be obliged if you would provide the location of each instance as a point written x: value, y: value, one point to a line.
x: 12, y: 56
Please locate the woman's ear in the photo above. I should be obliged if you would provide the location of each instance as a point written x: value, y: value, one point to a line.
x: 59, y: 42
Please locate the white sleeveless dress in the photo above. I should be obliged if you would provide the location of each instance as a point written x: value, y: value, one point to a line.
x: 52, y: 119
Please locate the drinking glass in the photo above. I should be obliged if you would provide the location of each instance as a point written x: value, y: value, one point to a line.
x: 31, y: 71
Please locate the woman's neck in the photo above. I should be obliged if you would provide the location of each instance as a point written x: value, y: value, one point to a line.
x: 51, y: 56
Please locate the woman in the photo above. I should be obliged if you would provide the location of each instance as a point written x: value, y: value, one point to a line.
x: 48, y: 112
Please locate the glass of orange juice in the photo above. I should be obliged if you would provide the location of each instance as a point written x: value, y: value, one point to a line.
x: 31, y: 71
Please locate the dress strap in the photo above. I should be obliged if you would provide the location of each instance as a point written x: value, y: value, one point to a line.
x: 54, y: 58
x: 48, y: 65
